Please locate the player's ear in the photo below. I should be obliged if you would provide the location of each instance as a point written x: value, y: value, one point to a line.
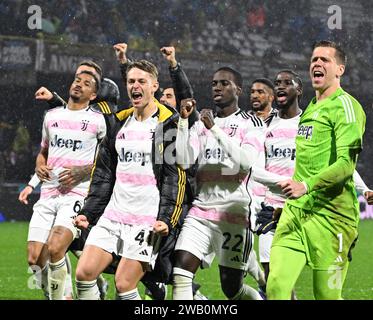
x: 93, y: 96
x: 155, y: 86
x: 239, y: 90
x: 340, y: 70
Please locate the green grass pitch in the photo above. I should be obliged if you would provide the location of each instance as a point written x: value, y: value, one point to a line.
x: 15, y: 279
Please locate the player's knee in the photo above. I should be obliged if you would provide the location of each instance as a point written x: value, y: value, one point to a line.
x: 277, y: 289
x: 56, y: 251
x: 124, y: 285
x: 85, y: 274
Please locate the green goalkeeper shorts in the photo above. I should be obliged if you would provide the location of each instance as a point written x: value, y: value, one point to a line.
x: 325, y: 241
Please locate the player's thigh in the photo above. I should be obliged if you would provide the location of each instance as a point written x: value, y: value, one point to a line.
x: 329, y: 242
x: 92, y: 262
x: 42, y: 220
x: 232, y: 243
x: 136, y: 243
x: 58, y: 242
x: 265, y: 243
x: 193, y: 244
x: 129, y: 273
x: 68, y: 208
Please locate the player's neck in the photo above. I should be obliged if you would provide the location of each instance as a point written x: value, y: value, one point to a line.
x: 141, y: 114
x: 290, y: 112
x: 227, y: 111
x: 72, y: 105
x: 323, y: 94
x: 264, y: 114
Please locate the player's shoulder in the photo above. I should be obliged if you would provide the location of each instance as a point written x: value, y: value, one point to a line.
x: 53, y: 111
x: 348, y: 105
x: 251, y: 118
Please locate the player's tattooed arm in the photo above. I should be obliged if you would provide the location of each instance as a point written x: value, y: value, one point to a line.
x: 73, y: 175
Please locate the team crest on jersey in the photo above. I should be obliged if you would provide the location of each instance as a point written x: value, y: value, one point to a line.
x: 84, y: 125
x: 305, y: 131
x: 234, y: 128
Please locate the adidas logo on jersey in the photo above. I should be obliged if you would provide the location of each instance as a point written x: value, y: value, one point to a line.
x: 55, y: 125
x: 236, y: 259
x: 121, y: 137
x: 144, y: 253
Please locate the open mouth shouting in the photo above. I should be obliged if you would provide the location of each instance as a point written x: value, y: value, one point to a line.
x: 136, y: 97
x: 281, y: 96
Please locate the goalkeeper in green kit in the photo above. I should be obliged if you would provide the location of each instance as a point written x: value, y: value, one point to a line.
x: 318, y: 226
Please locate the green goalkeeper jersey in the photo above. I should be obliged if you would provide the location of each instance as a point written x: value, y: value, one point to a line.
x: 329, y: 138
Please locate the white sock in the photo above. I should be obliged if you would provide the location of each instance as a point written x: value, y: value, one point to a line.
x: 41, y: 278
x: 87, y: 290
x: 254, y: 269
x: 57, y: 277
x: 68, y: 293
x: 129, y: 295
x: 182, y: 284
x: 247, y: 293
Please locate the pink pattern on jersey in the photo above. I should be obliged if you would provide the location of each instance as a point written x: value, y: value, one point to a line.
x: 283, y: 133
x: 254, y: 142
x: 214, y: 215
x: 131, y: 135
x: 73, y: 125
x: 259, y: 190
x: 128, y: 218
x: 288, y: 172
x: 274, y: 201
x: 61, y: 162
x: 239, y: 132
x: 136, y: 179
x: 52, y: 192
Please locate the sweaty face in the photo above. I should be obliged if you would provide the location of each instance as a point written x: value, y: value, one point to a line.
x: 285, y: 89
x: 261, y: 96
x: 83, y: 88
x: 168, y: 97
x: 324, y: 69
x: 224, y: 89
x: 141, y: 87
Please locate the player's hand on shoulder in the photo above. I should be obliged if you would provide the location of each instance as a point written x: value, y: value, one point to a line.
x: 81, y: 222
x: 43, y: 94
x: 120, y: 52
x: 160, y: 228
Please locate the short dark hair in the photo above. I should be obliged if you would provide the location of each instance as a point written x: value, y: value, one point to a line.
x: 97, y: 81
x: 295, y: 76
x: 265, y: 81
x: 144, y: 65
x: 340, y: 55
x: 236, y: 75
x: 94, y: 65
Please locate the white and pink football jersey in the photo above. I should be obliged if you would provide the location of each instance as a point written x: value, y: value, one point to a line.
x: 72, y: 138
x: 280, y: 154
x: 223, y: 192
x: 135, y: 198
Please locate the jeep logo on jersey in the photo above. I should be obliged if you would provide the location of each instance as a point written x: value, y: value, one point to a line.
x: 234, y: 128
x: 217, y: 154
x: 137, y: 157
x: 66, y: 143
x: 281, y: 153
x: 305, y: 131
x: 84, y: 125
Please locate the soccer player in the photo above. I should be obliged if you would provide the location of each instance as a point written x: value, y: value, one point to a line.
x: 69, y: 140
x: 318, y: 224
x: 226, y: 146
x: 280, y: 157
x: 134, y: 160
